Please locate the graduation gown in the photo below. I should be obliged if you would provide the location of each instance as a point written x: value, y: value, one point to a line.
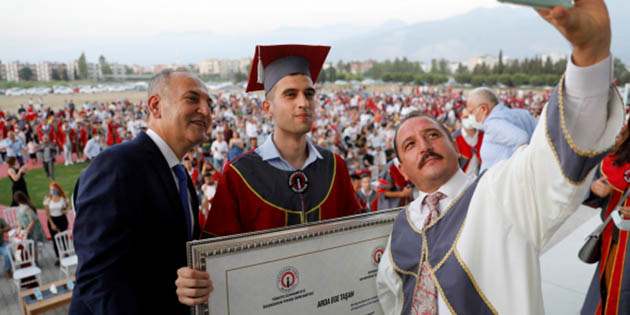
x: 252, y: 195
x: 466, y: 151
x: 615, y: 298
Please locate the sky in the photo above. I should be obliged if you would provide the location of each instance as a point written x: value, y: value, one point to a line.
x: 32, y: 28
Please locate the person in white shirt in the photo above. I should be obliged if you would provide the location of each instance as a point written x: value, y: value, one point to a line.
x: 472, y: 246
x: 219, y: 149
x: 56, y: 205
x: 93, y: 147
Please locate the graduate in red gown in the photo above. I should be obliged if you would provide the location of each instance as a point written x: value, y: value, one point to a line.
x: 610, y: 287
x: 287, y: 180
x: 469, y: 139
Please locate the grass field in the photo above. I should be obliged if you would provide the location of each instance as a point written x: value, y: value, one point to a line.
x: 37, y: 183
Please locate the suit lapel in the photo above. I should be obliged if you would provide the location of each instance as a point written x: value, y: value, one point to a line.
x: 160, y: 166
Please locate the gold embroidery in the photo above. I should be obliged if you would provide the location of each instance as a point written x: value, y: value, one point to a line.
x: 332, y: 182
x: 590, y: 153
x: 446, y: 301
x: 398, y: 269
x: 472, y: 280
x: 442, y: 214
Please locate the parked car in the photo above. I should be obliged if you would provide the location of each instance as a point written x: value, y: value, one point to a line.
x: 15, y: 92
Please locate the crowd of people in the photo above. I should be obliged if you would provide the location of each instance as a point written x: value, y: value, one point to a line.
x: 357, y: 124
x: 463, y: 244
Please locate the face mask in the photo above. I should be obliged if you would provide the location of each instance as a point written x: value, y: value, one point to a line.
x: 97, y: 138
x: 54, y: 192
x: 468, y: 122
x: 471, y: 123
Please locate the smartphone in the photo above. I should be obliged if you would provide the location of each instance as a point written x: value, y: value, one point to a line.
x: 38, y: 294
x: 545, y: 4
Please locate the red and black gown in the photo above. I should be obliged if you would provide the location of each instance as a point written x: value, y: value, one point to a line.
x: 252, y: 195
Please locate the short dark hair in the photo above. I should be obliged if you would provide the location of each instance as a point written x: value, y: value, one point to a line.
x: 415, y: 114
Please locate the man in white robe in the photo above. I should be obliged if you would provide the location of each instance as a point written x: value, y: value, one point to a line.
x: 482, y: 250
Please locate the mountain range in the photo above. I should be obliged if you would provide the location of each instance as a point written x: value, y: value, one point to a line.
x: 518, y: 31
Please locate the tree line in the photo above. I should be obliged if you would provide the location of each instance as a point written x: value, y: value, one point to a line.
x: 534, y: 71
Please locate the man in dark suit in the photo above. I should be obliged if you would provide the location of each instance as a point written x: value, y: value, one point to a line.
x: 136, y: 207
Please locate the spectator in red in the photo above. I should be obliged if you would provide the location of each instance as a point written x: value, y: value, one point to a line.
x: 112, y: 132
x: 192, y: 171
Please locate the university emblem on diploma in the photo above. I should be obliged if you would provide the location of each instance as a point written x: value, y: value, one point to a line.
x: 376, y: 255
x: 287, y: 279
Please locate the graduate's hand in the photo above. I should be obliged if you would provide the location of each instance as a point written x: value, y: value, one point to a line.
x: 193, y: 286
x: 625, y: 211
x: 586, y: 27
x: 601, y: 188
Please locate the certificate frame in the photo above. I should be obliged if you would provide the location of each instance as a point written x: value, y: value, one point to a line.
x: 202, y: 252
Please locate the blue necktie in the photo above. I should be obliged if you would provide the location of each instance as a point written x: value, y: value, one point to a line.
x: 180, y: 172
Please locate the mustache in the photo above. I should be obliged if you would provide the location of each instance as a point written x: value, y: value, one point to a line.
x: 428, y: 155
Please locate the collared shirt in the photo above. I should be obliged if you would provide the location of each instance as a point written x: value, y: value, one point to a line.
x: 172, y: 160
x: 270, y: 154
x: 418, y: 212
x: 92, y: 148
x: 14, y: 148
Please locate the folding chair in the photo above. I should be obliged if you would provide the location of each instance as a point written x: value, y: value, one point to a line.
x: 22, y: 257
x: 10, y: 214
x: 65, y: 248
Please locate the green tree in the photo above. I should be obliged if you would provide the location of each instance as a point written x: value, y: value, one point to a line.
x: 514, y: 67
x: 55, y: 75
x: 461, y: 69
x: 481, y: 68
x: 129, y: 70
x: 25, y: 74
x: 434, y: 66
x: 560, y: 66
x: 64, y: 74
x: 478, y: 80
x: 105, y: 68
x: 505, y: 79
x: 239, y: 77
x: 520, y: 79
x: 83, y: 67
x: 548, y: 67
x: 443, y: 66
x: 537, y: 80
x: 500, y: 66
x: 463, y: 78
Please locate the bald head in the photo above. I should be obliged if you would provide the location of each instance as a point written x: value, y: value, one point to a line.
x: 483, y: 95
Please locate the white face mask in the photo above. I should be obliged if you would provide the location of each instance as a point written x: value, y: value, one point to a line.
x: 97, y: 138
x: 471, y: 123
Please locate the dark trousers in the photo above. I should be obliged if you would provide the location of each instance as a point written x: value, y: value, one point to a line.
x: 49, y: 167
x: 62, y: 224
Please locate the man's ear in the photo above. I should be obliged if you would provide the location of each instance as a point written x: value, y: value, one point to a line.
x: 153, y: 105
x: 266, y: 107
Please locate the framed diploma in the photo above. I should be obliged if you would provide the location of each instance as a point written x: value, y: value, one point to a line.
x: 327, y: 267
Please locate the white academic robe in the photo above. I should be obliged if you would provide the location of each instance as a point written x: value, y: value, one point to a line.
x: 519, y: 203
